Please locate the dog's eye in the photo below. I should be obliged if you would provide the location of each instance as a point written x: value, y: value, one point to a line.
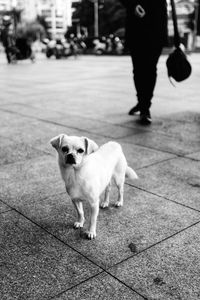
x: 80, y: 150
x: 65, y: 149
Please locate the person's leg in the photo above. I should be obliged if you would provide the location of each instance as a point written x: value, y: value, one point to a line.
x: 144, y: 74
x: 8, y: 55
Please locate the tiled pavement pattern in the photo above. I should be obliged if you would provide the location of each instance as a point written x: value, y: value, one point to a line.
x: 148, y: 249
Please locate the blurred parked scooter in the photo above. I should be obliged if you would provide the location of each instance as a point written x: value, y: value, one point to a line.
x: 61, y: 48
x: 118, y: 47
x: 50, y: 47
x: 99, y: 46
x: 108, y: 45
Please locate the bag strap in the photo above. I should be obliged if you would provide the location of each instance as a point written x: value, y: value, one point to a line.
x: 177, y: 39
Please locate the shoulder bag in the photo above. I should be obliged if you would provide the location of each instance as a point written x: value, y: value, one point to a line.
x: 178, y: 66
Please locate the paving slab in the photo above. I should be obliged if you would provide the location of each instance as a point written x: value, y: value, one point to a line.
x: 35, y: 265
x: 164, y: 142
x: 186, y: 116
x: 184, y: 126
x: 115, y: 131
x: 169, y: 270
x: 33, y: 179
x: 32, y: 133
x: 11, y: 152
x: 182, y: 129
x: 4, y: 207
x: 195, y: 156
x: 139, y: 157
x: 29, y: 111
x: 55, y: 117
x: 71, y: 102
x: 176, y: 179
x: 143, y: 221
x: 102, y: 287
x: 9, y: 120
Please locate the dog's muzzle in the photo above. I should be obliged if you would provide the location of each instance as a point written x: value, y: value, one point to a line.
x: 69, y: 159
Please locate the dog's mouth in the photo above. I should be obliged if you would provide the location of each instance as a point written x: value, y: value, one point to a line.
x: 69, y: 159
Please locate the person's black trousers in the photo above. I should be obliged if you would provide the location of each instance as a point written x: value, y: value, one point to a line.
x: 144, y: 60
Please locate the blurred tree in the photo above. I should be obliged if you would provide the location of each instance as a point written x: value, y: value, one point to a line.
x: 85, y: 13
x: 198, y: 17
x: 111, y: 16
x: 31, y: 30
x: 16, y: 14
x: 42, y: 21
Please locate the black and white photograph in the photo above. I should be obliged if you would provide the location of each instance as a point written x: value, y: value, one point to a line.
x: 99, y: 149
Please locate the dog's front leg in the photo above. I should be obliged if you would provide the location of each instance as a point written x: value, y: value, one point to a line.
x: 91, y: 234
x: 79, y: 208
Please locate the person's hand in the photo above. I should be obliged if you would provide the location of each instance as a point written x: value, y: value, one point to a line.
x: 139, y: 11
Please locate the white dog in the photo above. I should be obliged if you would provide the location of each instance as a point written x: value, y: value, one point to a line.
x: 87, y: 171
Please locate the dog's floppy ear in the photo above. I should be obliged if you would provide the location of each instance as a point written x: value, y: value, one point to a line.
x: 90, y: 146
x: 56, y: 141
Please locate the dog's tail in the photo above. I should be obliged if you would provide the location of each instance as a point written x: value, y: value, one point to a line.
x: 130, y: 173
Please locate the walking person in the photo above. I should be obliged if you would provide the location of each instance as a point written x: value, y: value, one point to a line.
x: 7, y: 37
x: 146, y: 34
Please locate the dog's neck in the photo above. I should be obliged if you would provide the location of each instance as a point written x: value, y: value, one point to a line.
x: 66, y: 167
x: 68, y: 173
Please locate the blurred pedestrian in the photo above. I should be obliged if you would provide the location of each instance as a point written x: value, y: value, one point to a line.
x: 146, y: 34
x: 8, y: 38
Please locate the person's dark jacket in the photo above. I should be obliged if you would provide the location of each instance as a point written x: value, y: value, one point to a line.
x: 151, y: 29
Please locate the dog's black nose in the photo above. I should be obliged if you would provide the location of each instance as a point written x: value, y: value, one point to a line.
x: 70, y: 159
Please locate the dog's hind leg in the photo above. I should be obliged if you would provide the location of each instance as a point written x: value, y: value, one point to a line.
x: 105, y: 202
x: 119, y: 180
x: 79, y: 208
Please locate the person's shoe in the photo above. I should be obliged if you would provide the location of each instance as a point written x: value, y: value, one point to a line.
x: 134, y: 110
x: 145, y: 117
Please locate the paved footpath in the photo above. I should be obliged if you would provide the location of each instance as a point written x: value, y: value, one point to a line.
x: 149, y: 248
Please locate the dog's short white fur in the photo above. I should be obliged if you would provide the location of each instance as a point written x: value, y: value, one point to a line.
x: 87, y: 171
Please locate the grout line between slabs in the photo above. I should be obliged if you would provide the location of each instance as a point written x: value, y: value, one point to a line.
x: 163, y: 197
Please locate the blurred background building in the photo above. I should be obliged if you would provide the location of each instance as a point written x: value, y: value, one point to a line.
x: 56, y: 13
x: 91, y: 18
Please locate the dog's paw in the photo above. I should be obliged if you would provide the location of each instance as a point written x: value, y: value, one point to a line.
x: 104, y: 205
x: 90, y: 235
x: 78, y: 225
x: 118, y: 204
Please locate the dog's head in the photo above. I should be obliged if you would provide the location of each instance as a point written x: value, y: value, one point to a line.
x: 72, y: 149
